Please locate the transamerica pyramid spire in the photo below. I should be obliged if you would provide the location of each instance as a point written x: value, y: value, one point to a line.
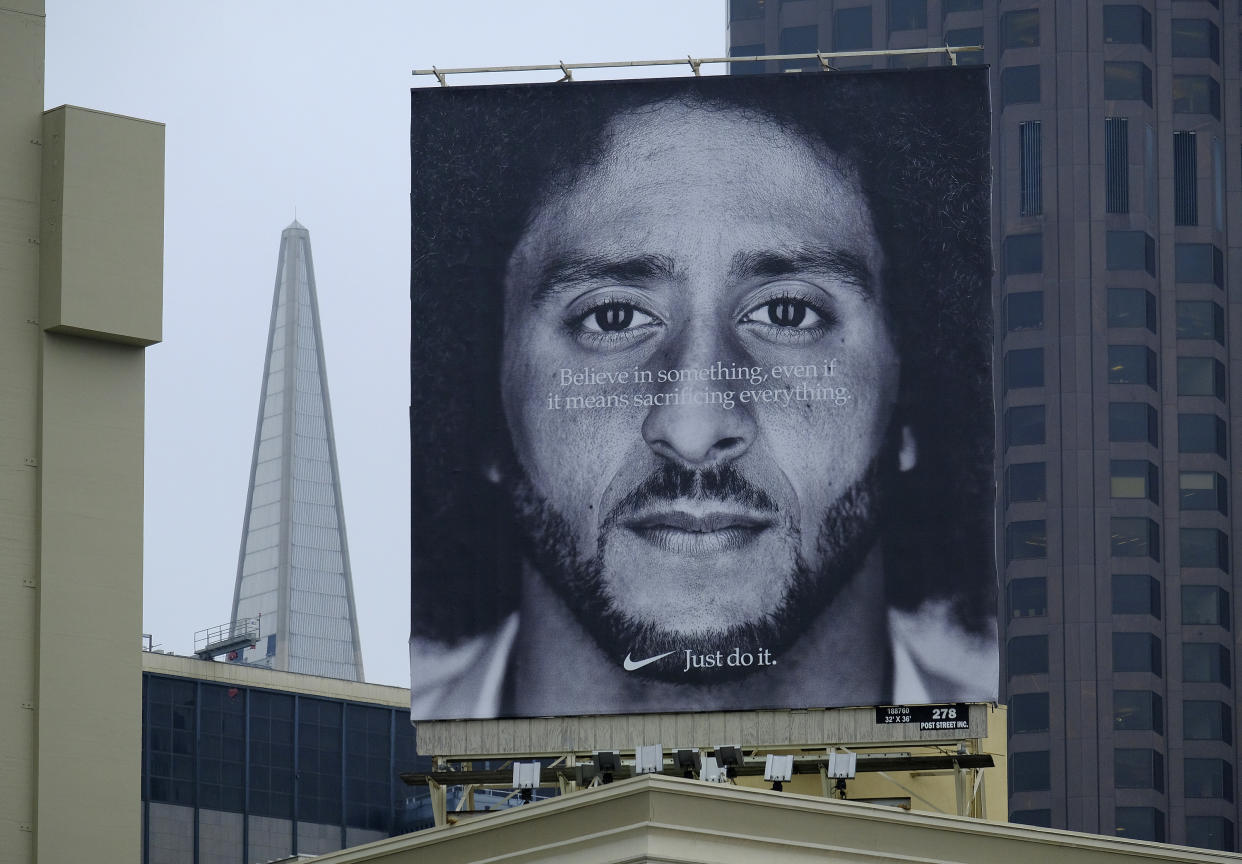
x: 293, y: 568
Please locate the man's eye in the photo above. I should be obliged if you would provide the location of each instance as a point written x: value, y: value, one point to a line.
x: 785, y: 312
x: 614, y: 318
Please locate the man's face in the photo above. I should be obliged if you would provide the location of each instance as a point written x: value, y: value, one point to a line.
x: 718, y: 250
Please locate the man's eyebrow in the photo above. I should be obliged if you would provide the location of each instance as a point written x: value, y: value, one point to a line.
x: 848, y: 266
x: 562, y: 272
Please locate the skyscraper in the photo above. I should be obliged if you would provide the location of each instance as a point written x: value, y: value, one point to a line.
x: 1118, y: 306
x: 293, y: 568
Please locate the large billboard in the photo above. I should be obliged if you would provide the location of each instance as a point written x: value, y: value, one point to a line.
x: 701, y: 395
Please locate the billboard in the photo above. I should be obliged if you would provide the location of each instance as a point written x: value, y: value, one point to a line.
x: 701, y: 395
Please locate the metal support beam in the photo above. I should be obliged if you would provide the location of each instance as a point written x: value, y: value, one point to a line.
x: 566, y: 69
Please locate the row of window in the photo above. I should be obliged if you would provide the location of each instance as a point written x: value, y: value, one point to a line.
x: 1127, y: 364
x: 1128, y: 422
x: 1123, y: 25
x: 1202, y: 662
x: 1128, y: 478
x: 1132, y: 594
x: 1193, y: 263
x: 1133, y: 768
x: 1123, y: 80
x: 1129, y: 537
x: 1133, y: 711
x: 274, y: 754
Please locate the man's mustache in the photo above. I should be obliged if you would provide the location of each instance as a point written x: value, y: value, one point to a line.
x: 671, y: 483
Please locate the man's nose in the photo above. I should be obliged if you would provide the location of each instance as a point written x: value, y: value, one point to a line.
x: 701, y: 432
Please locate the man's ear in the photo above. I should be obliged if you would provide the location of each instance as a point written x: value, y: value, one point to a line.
x: 908, y: 455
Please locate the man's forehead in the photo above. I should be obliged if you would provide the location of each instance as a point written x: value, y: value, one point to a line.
x: 744, y: 162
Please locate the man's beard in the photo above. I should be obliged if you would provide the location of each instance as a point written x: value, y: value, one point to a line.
x: 847, y: 534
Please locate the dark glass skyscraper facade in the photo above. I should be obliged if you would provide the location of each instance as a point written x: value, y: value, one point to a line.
x: 1118, y: 298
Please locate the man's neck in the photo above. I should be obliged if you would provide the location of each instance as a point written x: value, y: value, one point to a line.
x: 557, y: 667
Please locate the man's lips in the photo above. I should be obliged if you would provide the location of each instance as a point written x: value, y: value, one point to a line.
x: 696, y: 530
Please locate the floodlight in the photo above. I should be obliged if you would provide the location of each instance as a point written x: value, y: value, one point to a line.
x: 712, y: 772
x: 731, y: 758
x: 648, y: 759
x: 607, y: 763
x: 526, y: 775
x: 778, y: 769
x: 687, y: 761
x: 842, y: 765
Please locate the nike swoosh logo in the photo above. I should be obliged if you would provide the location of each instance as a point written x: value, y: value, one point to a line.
x: 631, y: 665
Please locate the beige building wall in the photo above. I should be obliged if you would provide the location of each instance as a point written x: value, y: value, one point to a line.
x: 81, y: 249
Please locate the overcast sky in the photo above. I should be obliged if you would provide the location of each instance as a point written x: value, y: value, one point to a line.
x: 276, y: 107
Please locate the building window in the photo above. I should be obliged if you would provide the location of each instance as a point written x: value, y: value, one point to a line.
x: 1207, y: 720
x: 1135, y: 594
x: 1024, y: 310
x: 1185, y: 180
x: 319, y: 761
x: 1024, y: 367
x: 966, y: 36
x: 1134, y: 537
x: 1020, y: 29
x: 745, y: 10
x: 751, y: 67
x: 961, y: 5
x: 1218, y: 184
x: 1028, y: 712
x: 170, y: 751
x: 1024, y: 425
x: 1136, y: 652
x: 222, y: 748
x: 1203, y: 490
x: 1025, y: 482
x: 907, y: 15
x: 1025, y: 540
x: 1124, y: 79
x: 1205, y: 663
x: 271, y: 755
x: 1027, y: 655
x: 1204, y: 547
x: 368, y: 802
x: 1132, y: 364
x: 1200, y: 376
x: 1130, y: 250
x: 1205, y: 604
x: 1134, y: 478
x: 1201, y: 433
x: 1031, y: 194
x: 1024, y: 253
x: 851, y: 29
x: 1138, y: 768
x: 1131, y: 307
x: 1198, y: 262
x: 1138, y: 711
x: 1140, y: 823
x: 1195, y: 37
x: 1133, y: 422
x: 1196, y: 94
x: 1020, y: 84
x: 1116, y: 164
x: 1209, y: 778
x: 1029, y: 772
x: 1039, y: 818
x: 1209, y: 832
x: 1028, y: 598
x: 1127, y: 25
x: 799, y: 40
x: 1200, y: 319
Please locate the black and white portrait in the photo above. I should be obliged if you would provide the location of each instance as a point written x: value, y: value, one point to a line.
x: 701, y: 395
